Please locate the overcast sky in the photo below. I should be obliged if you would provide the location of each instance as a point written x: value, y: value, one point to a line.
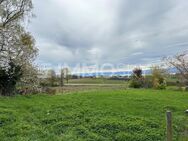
x: 109, y: 31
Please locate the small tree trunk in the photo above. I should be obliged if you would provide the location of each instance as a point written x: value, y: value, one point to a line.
x: 61, y: 81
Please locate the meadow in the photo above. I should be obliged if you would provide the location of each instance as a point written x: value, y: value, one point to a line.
x: 106, y: 71
x: 95, y: 81
x: 98, y: 115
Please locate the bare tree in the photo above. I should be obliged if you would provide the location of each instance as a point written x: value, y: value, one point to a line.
x: 180, y: 62
x: 62, y: 78
x: 66, y: 74
x: 51, y: 77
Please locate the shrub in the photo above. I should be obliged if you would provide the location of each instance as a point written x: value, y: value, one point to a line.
x: 135, y: 83
x: 137, y: 80
x: 181, y: 89
x: 49, y: 91
x: 159, y: 83
x: 186, y: 88
x: 162, y: 86
x: 147, y: 83
x: 28, y: 90
x: 9, y: 78
x: 158, y: 78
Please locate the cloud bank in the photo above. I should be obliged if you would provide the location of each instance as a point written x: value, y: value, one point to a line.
x: 109, y: 31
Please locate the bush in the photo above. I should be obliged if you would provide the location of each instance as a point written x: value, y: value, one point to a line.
x: 162, y: 86
x: 136, y: 83
x: 159, y: 83
x: 137, y: 80
x: 49, y: 91
x: 35, y: 90
x: 158, y: 78
x: 186, y: 88
x: 147, y: 83
x: 9, y: 78
x: 171, y: 83
x: 181, y: 89
x: 28, y: 90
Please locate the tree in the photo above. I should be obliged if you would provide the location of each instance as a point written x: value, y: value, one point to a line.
x: 180, y: 62
x: 30, y: 75
x: 14, y: 11
x: 66, y: 74
x: 137, y: 79
x: 158, y: 77
x: 137, y: 73
x: 62, y: 78
x: 51, y: 76
x: 17, y: 47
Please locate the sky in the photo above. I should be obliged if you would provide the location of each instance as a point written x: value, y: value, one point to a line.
x: 108, y: 31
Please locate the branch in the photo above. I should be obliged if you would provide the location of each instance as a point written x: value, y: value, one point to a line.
x: 1, y: 1
x: 15, y: 14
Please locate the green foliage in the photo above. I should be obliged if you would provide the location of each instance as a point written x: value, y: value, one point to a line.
x: 186, y: 88
x: 96, y: 81
x: 8, y: 79
x: 182, y: 89
x: 136, y: 83
x: 147, y: 82
x: 137, y: 80
x: 120, y: 115
x: 158, y: 78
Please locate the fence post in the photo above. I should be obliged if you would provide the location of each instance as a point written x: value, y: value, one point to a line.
x: 169, y: 125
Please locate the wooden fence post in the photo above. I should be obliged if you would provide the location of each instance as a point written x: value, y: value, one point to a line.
x: 169, y: 125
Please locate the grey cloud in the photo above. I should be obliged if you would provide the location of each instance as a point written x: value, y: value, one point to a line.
x: 100, y: 31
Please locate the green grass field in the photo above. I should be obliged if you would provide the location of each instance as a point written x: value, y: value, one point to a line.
x: 102, y: 115
x: 96, y: 81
